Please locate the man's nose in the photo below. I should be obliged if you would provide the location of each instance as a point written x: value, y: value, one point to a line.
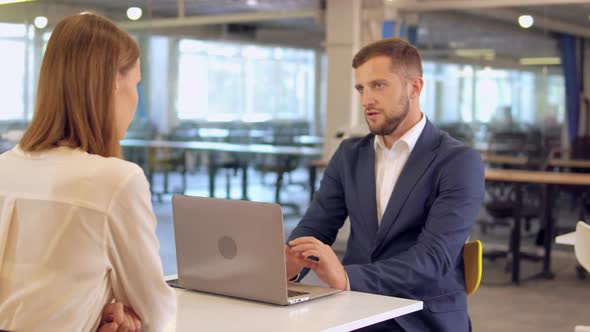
x: 367, y: 100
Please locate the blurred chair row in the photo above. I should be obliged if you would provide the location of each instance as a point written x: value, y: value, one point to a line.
x: 283, y: 133
x: 537, y: 146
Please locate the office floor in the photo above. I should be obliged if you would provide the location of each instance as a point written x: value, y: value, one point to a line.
x: 536, y: 305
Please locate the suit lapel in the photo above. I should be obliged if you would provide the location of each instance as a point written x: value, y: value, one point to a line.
x: 421, y: 157
x: 365, y: 181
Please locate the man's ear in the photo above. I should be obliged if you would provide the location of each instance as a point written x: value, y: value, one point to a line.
x: 415, y: 87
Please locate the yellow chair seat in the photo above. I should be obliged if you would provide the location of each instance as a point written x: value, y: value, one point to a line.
x: 472, y: 257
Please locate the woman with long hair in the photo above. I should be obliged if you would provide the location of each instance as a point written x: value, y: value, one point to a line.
x: 77, y: 230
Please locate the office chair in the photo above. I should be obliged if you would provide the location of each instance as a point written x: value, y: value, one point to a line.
x: 472, y: 260
x: 502, y: 204
x: 582, y: 251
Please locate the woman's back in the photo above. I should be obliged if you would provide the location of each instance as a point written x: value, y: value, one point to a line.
x: 76, y: 231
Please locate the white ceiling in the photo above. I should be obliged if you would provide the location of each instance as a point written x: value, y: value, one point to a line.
x: 440, y: 32
x: 168, y: 8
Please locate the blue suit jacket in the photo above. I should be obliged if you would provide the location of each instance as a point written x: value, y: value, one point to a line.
x: 417, y: 251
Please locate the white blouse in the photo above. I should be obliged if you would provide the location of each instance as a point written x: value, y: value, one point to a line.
x: 76, y: 231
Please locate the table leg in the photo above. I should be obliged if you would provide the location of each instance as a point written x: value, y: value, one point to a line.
x: 312, y: 179
x: 212, y: 168
x: 515, y: 243
x: 245, y: 181
x: 548, y: 223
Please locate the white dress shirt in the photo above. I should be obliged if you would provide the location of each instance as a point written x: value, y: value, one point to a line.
x: 390, y: 162
x: 76, y: 231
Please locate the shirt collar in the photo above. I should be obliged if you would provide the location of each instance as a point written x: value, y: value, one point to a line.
x: 409, y: 138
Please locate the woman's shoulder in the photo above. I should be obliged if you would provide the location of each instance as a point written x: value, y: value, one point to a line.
x: 115, y: 169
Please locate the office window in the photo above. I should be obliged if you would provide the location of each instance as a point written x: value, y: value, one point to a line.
x: 12, y: 67
x: 475, y: 94
x: 239, y: 82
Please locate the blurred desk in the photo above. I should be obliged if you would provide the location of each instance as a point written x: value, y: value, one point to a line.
x: 226, y: 147
x: 213, y: 147
x: 213, y: 133
x: 568, y: 163
x: 308, y: 140
x: 568, y: 239
x: 503, y: 159
x: 547, y: 179
x: 483, y: 146
x: 344, y: 311
x: 486, y: 157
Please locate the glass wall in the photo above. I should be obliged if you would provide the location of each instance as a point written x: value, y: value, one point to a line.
x: 229, y: 81
x: 212, y: 80
x: 14, y: 42
x: 475, y: 94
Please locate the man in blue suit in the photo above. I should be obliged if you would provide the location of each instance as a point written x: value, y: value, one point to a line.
x: 412, y: 194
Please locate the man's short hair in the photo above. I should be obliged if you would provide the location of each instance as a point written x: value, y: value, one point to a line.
x: 405, y: 58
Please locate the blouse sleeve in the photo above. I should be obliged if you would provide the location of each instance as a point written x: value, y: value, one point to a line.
x: 137, y: 278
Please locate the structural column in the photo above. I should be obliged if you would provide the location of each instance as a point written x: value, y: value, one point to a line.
x: 343, y: 26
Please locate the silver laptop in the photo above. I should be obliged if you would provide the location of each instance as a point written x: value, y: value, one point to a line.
x: 235, y: 248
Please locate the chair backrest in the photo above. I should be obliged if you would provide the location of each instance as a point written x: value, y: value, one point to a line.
x: 582, y: 246
x: 507, y: 143
x: 472, y: 257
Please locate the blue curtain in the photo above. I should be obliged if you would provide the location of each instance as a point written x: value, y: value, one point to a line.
x: 413, y: 34
x: 387, y: 29
x: 569, y: 47
x: 409, y: 32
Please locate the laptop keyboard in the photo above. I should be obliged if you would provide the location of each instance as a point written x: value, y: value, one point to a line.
x: 293, y: 293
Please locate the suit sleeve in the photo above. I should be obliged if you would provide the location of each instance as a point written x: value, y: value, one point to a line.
x: 438, y: 247
x: 328, y: 211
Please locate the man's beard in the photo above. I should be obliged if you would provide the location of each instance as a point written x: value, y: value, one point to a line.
x: 391, y: 123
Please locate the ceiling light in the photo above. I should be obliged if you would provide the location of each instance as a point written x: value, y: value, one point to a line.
x: 252, y: 2
x: 6, y: 2
x: 134, y: 13
x: 40, y: 22
x: 476, y: 53
x: 540, y: 61
x: 526, y: 21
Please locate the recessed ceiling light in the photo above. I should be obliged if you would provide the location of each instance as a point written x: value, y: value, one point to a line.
x: 134, y: 13
x: 540, y: 61
x: 40, y: 22
x: 252, y: 2
x: 526, y: 21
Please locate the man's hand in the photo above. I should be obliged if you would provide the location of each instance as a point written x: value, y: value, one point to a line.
x: 328, y: 268
x: 295, y: 262
x: 119, y: 318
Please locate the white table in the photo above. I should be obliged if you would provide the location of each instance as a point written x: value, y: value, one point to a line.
x: 568, y: 238
x: 344, y: 311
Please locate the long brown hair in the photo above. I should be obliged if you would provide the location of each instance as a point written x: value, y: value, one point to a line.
x: 75, y: 98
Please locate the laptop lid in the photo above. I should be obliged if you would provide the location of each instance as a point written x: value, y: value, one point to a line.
x: 228, y: 247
